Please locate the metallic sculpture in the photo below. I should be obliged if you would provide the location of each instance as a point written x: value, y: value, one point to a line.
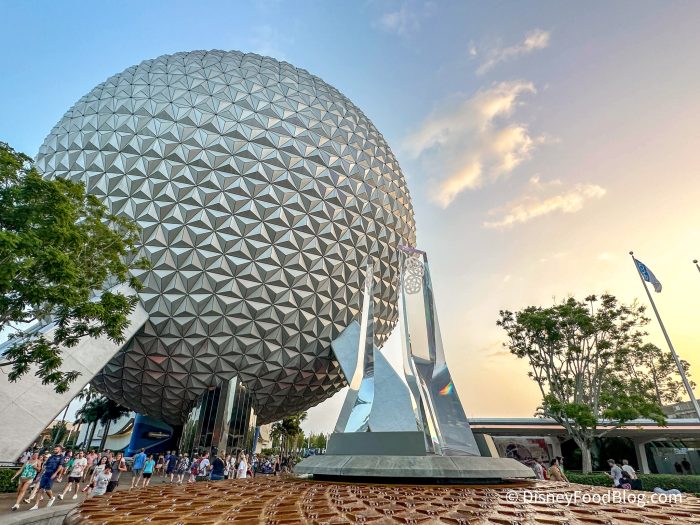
x: 431, y: 405
x: 262, y: 194
x: 438, y: 406
x: 408, y: 431
x: 354, y: 415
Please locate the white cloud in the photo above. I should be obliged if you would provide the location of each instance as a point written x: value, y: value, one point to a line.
x: 534, y: 40
x: 540, y: 201
x: 401, y: 22
x: 472, y: 142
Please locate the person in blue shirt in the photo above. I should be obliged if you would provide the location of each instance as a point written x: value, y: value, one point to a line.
x: 170, y: 465
x: 52, y: 468
x: 148, y: 471
x: 137, y: 469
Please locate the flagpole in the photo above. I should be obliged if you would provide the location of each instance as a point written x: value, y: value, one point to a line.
x: 696, y: 264
x: 668, y: 341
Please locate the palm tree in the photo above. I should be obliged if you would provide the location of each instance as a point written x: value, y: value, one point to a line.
x: 90, y: 414
x: 111, y: 411
x: 86, y: 394
x: 104, y: 411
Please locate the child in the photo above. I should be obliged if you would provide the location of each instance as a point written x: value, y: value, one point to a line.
x: 101, y: 481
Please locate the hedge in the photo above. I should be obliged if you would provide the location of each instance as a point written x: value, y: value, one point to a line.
x: 684, y: 483
x: 5, y: 484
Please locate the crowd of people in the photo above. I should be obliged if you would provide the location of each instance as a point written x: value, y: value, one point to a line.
x: 621, y: 476
x: 94, y: 474
x: 548, y: 470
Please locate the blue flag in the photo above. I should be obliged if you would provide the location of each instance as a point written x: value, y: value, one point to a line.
x: 647, y: 275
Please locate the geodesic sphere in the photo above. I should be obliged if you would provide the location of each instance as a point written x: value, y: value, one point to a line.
x: 261, y: 193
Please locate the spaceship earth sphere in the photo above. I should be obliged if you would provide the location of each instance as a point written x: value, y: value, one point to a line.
x: 261, y: 193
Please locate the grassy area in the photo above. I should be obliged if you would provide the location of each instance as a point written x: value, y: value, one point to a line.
x: 684, y: 483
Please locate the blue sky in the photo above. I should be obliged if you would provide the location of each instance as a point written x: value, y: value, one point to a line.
x: 542, y: 140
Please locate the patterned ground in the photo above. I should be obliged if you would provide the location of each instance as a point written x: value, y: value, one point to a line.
x: 275, y: 501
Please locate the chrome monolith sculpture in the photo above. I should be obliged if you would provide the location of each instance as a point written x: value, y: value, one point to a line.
x: 438, y: 406
x: 410, y: 428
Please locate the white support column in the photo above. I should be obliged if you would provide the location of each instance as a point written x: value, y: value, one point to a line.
x: 641, y: 452
x: 28, y: 406
x: 556, y: 446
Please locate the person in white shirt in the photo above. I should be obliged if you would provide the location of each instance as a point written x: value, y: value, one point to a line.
x: 629, y: 469
x: 615, y: 473
x: 75, y: 476
x: 242, y: 469
x: 101, y: 481
x: 204, y: 467
x: 538, y: 469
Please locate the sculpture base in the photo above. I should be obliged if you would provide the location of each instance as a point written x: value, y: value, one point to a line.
x: 421, y: 469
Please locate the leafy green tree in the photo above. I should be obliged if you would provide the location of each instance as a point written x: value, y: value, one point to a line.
x: 660, y: 367
x: 286, y: 432
x: 58, y: 246
x: 578, y: 352
x: 58, y: 432
x: 317, y: 441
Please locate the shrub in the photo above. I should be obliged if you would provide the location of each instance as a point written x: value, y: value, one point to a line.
x: 684, y: 483
x: 6, y: 485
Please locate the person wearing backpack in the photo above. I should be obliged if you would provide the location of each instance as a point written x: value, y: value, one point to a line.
x: 204, y: 463
x: 194, y: 469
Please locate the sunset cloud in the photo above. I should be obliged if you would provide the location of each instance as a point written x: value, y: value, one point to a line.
x: 540, y: 201
x: 473, y: 142
x: 534, y: 40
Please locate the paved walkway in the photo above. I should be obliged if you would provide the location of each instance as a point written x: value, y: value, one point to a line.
x: 7, y: 500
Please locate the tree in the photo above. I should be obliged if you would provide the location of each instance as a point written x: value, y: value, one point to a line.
x: 58, y: 246
x: 86, y: 394
x: 100, y: 410
x: 90, y: 413
x: 661, y: 369
x: 110, y: 412
x: 286, y: 432
x: 317, y: 441
x: 58, y: 432
x: 578, y: 353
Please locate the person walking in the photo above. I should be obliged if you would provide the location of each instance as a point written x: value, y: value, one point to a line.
x: 227, y: 466
x: 628, y: 469
x: 171, y: 465
x: 53, y: 467
x: 203, y: 467
x: 537, y: 469
x: 183, y: 466
x: 75, y: 476
x: 26, y: 456
x: 194, y: 469
x: 67, y: 464
x: 137, y: 469
x: 217, y: 469
x: 102, y: 480
x: 117, y: 466
x: 615, y: 473
x: 93, y: 458
x: 99, y: 468
x: 26, y: 473
x: 159, y: 464
x: 555, y: 473
x: 148, y: 467
x: 34, y: 486
x: 242, y: 466
x: 278, y: 466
